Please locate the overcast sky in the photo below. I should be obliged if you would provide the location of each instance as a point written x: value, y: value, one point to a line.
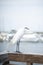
x: 15, y: 14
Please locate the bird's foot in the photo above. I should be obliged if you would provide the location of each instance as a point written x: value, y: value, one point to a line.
x: 18, y: 52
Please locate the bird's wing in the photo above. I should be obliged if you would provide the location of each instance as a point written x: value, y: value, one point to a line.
x: 17, y: 36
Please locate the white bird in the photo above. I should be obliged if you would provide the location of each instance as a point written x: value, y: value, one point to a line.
x: 18, y: 36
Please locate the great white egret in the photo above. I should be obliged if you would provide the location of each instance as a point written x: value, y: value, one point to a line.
x: 18, y: 36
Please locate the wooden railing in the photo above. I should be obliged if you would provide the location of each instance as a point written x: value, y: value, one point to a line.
x: 29, y: 58
x: 19, y: 57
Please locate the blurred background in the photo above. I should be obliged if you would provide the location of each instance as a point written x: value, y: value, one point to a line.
x: 19, y: 13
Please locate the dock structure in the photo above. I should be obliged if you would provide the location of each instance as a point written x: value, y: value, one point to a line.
x: 20, y: 57
x: 4, y: 58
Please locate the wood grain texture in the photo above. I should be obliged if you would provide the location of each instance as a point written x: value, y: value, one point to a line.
x: 26, y: 58
x: 20, y: 57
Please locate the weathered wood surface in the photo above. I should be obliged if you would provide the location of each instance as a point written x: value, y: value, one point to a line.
x: 20, y: 57
x: 25, y: 58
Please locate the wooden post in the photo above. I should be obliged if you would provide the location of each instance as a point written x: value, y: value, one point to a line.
x: 7, y: 62
x: 29, y: 63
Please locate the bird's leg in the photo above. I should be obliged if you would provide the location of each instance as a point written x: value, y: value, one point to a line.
x: 17, y: 47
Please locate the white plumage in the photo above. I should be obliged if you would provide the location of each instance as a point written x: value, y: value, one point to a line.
x: 17, y: 36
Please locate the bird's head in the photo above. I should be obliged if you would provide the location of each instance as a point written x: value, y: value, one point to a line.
x: 26, y: 28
